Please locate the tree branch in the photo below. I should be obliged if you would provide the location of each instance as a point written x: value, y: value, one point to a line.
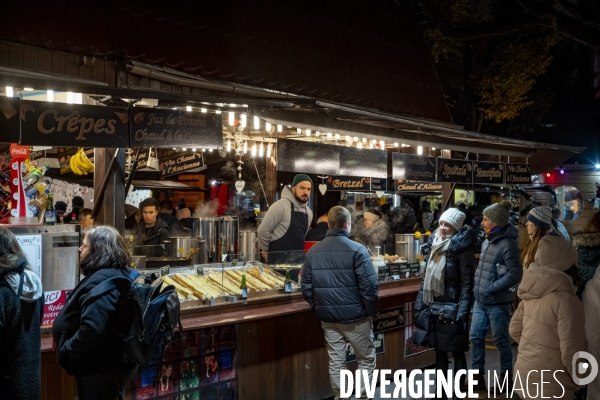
x: 590, y: 18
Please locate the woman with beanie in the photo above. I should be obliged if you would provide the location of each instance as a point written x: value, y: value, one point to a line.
x: 498, y: 273
x: 448, y: 284
x: 538, y: 224
x: 376, y: 230
x: 549, y: 322
x: 21, y: 309
x: 588, y: 251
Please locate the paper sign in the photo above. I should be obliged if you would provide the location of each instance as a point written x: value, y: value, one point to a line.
x: 32, y: 248
x: 54, y: 302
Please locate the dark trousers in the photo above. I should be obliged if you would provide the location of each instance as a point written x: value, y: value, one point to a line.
x: 441, y: 364
x: 108, y: 385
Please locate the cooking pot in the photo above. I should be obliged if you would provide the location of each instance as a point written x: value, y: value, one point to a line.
x: 407, y: 246
x: 186, y: 247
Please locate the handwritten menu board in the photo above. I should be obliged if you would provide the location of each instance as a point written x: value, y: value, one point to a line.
x: 32, y: 248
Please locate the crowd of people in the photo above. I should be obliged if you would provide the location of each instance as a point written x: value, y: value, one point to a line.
x: 556, y: 280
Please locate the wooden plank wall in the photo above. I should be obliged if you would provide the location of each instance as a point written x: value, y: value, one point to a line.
x: 279, y: 361
x: 38, y: 59
x: 585, y: 181
x: 56, y: 383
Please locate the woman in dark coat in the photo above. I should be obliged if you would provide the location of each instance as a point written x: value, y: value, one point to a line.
x: 21, y: 310
x: 448, y: 282
x: 88, y: 331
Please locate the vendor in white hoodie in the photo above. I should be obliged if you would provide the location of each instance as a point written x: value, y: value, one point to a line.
x: 284, y: 227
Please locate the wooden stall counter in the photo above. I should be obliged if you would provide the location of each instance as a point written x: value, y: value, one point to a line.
x: 267, y: 348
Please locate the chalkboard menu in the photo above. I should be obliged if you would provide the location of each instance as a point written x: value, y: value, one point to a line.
x: 363, y: 162
x: 518, y: 173
x: 415, y: 186
x: 307, y: 157
x: 454, y: 171
x: 337, y: 183
x: 411, y: 167
x: 488, y: 172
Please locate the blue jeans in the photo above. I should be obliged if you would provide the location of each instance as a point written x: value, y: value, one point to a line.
x: 498, y: 317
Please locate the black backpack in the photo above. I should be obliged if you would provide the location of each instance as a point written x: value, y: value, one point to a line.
x: 147, y: 315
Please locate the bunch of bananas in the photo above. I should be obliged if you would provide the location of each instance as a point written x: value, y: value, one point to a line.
x: 80, y: 163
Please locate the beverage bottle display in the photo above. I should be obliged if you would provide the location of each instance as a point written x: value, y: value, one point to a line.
x: 50, y: 213
x: 244, y: 292
x: 287, y: 287
x: 4, y: 178
x: 32, y: 177
x: 4, y: 195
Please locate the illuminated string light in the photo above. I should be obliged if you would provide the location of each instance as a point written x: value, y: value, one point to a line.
x: 254, y: 150
x: 268, y: 126
x: 50, y: 95
x: 188, y: 108
x: 279, y: 128
x: 244, y: 120
x: 256, y: 123
x: 419, y: 150
x: 231, y: 119
x: 308, y: 132
x: 269, y: 147
x: 228, y: 145
x: 261, y: 150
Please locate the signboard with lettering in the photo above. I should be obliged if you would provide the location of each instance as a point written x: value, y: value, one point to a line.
x: 337, y: 183
x: 413, y: 186
x: 54, y: 302
x: 378, y: 184
x: 379, y: 348
x: 307, y: 157
x: 518, y: 173
x: 363, y: 162
x: 488, y: 172
x: 158, y: 127
x: 143, y: 157
x: 411, y: 167
x: 9, y: 119
x: 78, y: 125
x: 390, y: 318
x: 181, y: 163
x: 454, y: 171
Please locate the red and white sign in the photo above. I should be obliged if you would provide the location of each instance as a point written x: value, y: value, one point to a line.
x: 55, y: 301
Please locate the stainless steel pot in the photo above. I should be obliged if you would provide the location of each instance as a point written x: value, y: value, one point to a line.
x: 249, y: 245
x: 208, y: 229
x: 186, y: 247
x: 229, y: 230
x: 407, y: 246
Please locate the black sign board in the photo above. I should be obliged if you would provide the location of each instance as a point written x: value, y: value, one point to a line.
x: 77, y: 125
x: 337, y: 183
x: 158, y: 127
x: 454, y: 171
x: 413, y: 186
x: 518, y: 173
x: 379, y: 184
x: 379, y: 348
x: 307, y: 157
x: 488, y: 172
x: 9, y: 119
x: 363, y: 162
x: 143, y: 157
x: 390, y: 318
x: 411, y: 167
x: 181, y: 163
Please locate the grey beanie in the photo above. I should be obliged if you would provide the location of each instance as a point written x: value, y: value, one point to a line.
x: 541, y: 217
x: 499, y: 213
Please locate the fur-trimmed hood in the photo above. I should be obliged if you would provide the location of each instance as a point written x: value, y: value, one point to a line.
x: 586, y: 239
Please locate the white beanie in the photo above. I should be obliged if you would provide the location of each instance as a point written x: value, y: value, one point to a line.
x: 454, y: 217
x: 371, y: 216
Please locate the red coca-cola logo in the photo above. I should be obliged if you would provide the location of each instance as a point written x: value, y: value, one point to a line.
x: 19, y: 153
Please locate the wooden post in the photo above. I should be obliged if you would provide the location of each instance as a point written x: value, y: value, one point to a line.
x: 112, y: 210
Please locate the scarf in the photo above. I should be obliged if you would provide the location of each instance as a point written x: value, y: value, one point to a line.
x: 490, y: 232
x: 433, y: 284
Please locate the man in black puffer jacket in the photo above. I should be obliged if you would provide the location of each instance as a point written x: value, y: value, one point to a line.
x: 339, y: 283
x: 496, y: 278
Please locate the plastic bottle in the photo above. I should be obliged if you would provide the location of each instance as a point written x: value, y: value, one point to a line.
x: 501, y: 269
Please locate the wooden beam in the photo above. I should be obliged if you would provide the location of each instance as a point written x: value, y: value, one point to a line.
x: 112, y: 210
